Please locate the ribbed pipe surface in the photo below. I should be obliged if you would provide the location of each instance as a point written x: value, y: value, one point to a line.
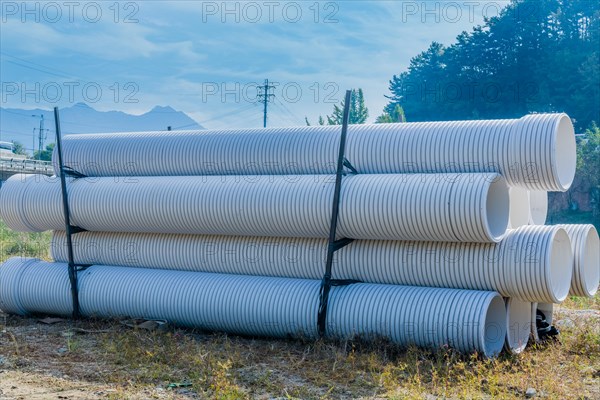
x: 518, y: 320
x: 437, y: 207
x: 28, y: 285
x: 277, y: 307
x: 586, y: 267
x: 550, y: 252
x: 538, y: 207
x: 531, y: 263
x: 535, y: 152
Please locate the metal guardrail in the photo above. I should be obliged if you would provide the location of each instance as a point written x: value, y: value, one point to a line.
x: 26, y: 166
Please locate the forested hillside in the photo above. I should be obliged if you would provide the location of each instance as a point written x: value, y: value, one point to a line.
x: 536, y: 56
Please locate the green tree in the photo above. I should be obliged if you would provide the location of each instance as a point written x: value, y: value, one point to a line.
x: 397, y: 115
x: 18, y: 148
x: 588, y: 165
x: 45, y: 155
x: 321, y: 121
x: 535, y: 56
x: 358, y: 110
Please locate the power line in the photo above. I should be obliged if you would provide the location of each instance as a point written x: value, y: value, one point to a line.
x: 285, y: 118
x: 298, y: 119
x: 288, y: 115
x: 221, y: 116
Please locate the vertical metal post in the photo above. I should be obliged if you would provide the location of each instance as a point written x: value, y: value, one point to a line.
x: 68, y: 226
x: 334, y: 245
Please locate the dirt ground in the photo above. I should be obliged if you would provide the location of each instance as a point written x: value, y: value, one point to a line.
x: 36, y: 362
x: 76, y: 360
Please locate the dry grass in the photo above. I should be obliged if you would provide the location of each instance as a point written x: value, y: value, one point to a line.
x: 582, y: 303
x: 133, y: 361
x: 104, y: 359
x: 13, y: 244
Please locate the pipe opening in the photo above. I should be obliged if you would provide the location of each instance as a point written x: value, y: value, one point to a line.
x: 497, y: 208
x: 561, y: 265
x: 565, y: 152
x: 495, y: 327
x: 518, y: 320
x: 590, y: 262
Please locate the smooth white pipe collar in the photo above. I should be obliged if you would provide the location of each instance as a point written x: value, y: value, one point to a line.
x: 564, y: 155
x: 538, y: 203
x: 560, y: 262
x: 518, y: 319
x: 519, y: 207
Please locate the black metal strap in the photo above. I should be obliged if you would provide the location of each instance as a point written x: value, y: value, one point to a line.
x: 70, y: 172
x: 75, y: 229
x: 335, y: 245
x: 348, y: 165
x: 545, y: 331
x: 70, y: 229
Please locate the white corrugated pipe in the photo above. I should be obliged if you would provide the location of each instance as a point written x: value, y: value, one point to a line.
x: 538, y: 203
x: 586, y: 252
x: 277, y: 307
x: 519, y: 207
x: 535, y: 152
x: 532, y: 263
x: 438, y: 207
x: 518, y: 320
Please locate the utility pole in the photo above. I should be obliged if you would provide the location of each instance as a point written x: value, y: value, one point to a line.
x: 33, y: 145
x: 265, y: 96
x: 41, y: 134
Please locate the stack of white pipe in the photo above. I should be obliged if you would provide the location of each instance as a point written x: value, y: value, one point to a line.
x: 441, y: 207
x: 536, y: 152
x: 512, y: 267
x: 280, y: 307
x: 235, y: 216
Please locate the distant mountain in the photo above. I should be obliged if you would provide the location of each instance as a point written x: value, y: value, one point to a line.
x: 18, y: 124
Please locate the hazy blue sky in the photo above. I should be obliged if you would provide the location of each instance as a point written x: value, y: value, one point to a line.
x: 131, y: 56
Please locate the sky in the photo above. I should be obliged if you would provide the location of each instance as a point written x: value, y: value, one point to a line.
x: 206, y: 58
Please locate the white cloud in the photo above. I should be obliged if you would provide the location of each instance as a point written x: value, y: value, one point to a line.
x: 171, y: 52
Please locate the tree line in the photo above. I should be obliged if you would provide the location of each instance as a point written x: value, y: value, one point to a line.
x: 535, y: 56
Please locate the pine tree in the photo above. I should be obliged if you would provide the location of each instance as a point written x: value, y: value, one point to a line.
x: 358, y: 110
x: 397, y: 115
